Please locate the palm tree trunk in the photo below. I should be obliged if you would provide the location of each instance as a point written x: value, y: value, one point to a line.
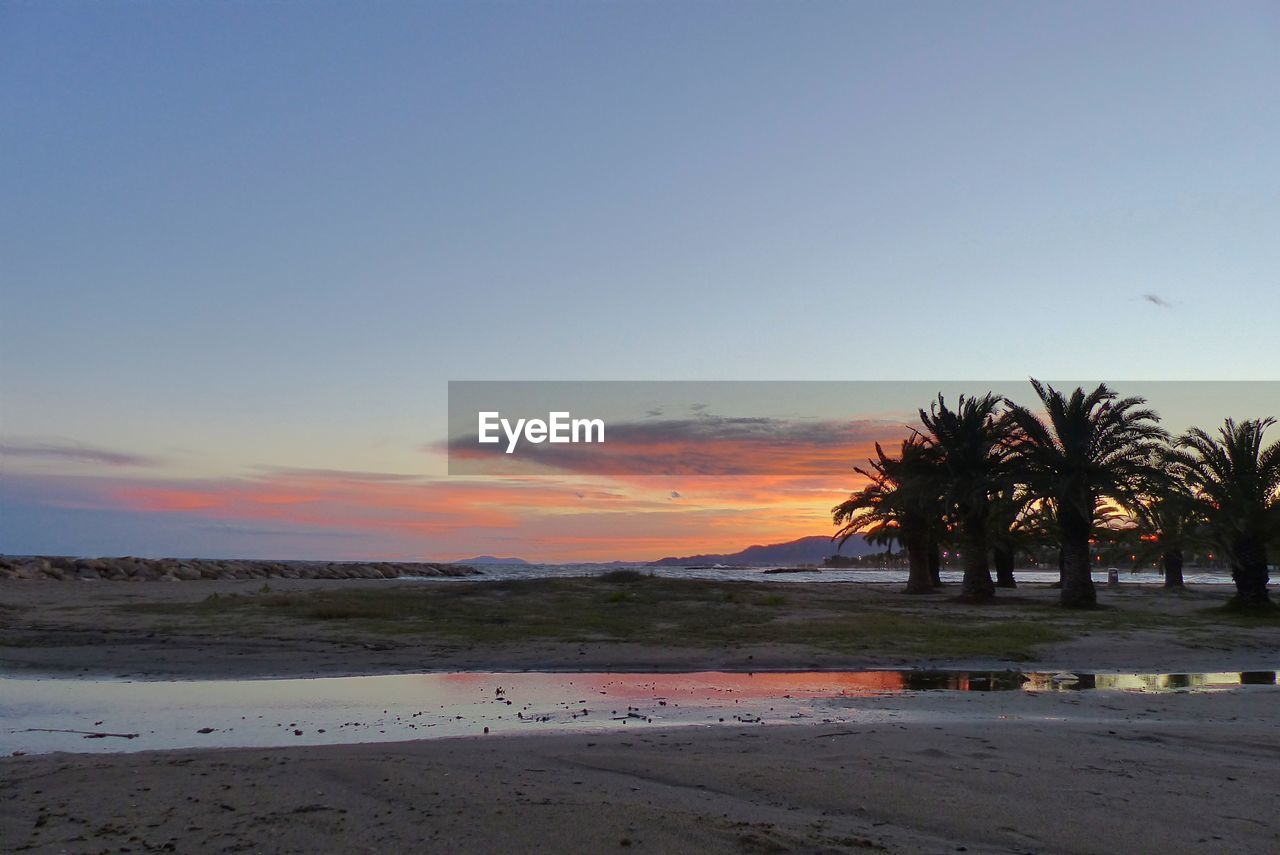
x: 1077, y: 579
x: 1249, y: 570
x: 919, y: 580
x: 1172, y: 560
x: 1002, y: 558
x: 977, y: 585
x: 935, y: 562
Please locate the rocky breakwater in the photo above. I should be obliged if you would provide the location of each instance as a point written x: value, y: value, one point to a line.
x: 130, y: 569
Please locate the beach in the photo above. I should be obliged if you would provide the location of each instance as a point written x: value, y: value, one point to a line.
x: 900, y: 771
x: 561, y: 427
x: 1009, y: 773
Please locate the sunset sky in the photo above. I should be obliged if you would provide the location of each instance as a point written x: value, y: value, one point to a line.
x: 246, y: 246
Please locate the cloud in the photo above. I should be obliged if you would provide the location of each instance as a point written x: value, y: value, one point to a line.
x: 305, y: 474
x: 1157, y: 300
x: 256, y: 531
x: 278, y: 514
x: 74, y: 452
x: 702, y: 445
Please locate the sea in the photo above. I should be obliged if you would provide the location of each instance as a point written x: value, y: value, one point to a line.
x: 785, y: 574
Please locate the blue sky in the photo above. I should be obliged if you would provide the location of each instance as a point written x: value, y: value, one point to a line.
x: 246, y: 235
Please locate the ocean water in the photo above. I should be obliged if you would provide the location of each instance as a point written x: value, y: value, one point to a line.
x: 1192, y: 576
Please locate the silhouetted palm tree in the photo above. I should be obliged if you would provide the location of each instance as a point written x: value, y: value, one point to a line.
x: 1237, y: 483
x: 1008, y: 533
x: 1169, y: 520
x: 1039, y: 526
x: 970, y: 444
x: 900, y: 503
x: 935, y: 551
x: 1090, y: 448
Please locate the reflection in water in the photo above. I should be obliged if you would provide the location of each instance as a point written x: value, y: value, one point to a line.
x: 1149, y: 682
x: 107, y: 715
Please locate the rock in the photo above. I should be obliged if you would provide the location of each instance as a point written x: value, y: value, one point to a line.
x: 190, y: 570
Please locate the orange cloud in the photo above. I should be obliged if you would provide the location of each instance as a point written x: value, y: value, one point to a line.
x: 706, y: 445
x: 562, y: 518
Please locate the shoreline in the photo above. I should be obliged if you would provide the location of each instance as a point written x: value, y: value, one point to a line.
x: 59, y: 568
x: 51, y: 716
x: 1259, y: 663
x: 993, y: 772
x: 897, y: 785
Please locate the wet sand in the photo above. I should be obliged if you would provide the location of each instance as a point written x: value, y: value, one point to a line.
x: 992, y: 773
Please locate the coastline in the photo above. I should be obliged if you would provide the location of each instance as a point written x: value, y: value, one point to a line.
x: 59, y: 568
x: 906, y: 772
x: 1009, y: 773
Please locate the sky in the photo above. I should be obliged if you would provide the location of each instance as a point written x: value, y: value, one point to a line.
x: 245, y: 246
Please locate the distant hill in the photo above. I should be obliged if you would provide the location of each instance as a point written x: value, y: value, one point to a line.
x: 806, y: 550
x: 489, y: 559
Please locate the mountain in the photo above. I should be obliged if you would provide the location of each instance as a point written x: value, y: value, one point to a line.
x: 489, y: 559
x: 806, y: 550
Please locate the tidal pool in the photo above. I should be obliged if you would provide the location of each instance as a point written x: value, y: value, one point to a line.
x: 78, y: 715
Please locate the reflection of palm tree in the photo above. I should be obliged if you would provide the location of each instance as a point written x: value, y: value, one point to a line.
x: 1090, y: 448
x: 970, y: 444
x: 899, y: 504
x: 1237, y: 482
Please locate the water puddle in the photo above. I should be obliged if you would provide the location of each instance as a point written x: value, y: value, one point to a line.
x: 45, y: 715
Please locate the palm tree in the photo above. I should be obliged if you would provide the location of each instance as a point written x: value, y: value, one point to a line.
x: 1039, y: 527
x: 935, y: 550
x: 970, y: 443
x: 899, y: 504
x: 1008, y: 533
x: 1168, y: 521
x: 1091, y: 448
x: 1237, y: 483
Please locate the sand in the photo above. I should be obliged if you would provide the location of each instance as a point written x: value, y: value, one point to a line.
x: 977, y: 772
x: 991, y: 773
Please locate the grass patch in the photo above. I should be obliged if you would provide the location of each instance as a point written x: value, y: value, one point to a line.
x: 659, y: 612
x: 907, y: 635
x: 1264, y: 614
